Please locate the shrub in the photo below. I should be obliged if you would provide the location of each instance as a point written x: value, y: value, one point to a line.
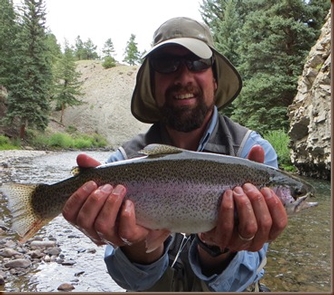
x: 280, y: 140
x: 109, y: 62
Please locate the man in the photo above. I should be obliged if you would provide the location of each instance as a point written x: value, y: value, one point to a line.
x: 180, y: 86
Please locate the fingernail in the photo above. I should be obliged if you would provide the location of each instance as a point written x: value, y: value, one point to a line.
x: 248, y: 187
x: 238, y: 190
x: 127, y: 206
x: 107, y: 188
x: 267, y: 193
x: 118, y: 190
x: 89, y: 186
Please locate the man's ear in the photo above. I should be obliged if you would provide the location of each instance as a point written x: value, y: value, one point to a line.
x: 215, y: 84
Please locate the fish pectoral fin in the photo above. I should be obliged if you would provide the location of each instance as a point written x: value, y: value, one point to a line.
x: 155, y: 238
x: 157, y: 150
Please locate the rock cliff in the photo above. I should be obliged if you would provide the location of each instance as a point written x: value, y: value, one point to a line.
x: 310, y: 112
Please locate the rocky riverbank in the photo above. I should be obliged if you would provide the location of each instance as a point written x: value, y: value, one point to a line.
x: 59, y: 257
x: 18, y: 259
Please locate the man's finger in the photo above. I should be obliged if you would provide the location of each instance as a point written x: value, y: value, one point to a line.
x: 256, y: 154
x: 86, y: 161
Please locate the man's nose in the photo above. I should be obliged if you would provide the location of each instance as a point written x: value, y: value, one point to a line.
x: 183, y: 75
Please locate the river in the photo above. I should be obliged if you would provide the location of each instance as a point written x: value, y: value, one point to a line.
x: 298, y: 261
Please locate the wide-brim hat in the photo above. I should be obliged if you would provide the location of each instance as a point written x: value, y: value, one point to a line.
x: 196, y: 37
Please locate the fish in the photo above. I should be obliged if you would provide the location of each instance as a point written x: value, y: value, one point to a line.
x: 173, y: 189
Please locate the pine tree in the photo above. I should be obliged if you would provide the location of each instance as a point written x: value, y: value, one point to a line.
x: 29, y: 93
x: 132, y: 55
x: 8, y: 31
x: 85, y: 50
x: 275, y: 41
x: 267, y: 41
x: 67, y: 86
x: 108, y: 48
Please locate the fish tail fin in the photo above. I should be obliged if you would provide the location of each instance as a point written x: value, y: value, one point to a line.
x: 24, y: 220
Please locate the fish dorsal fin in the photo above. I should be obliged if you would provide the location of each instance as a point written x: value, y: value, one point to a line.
x: 155, y: 150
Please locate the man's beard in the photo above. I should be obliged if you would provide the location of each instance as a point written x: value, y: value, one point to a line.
x: 185, y: 119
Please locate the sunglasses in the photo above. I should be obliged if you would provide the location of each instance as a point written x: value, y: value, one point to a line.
x: 166, y: 63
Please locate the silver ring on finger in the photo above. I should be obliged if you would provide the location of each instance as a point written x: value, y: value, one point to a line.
x: 245, y: 239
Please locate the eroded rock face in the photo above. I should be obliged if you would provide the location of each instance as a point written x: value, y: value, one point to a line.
x: 310, y: 112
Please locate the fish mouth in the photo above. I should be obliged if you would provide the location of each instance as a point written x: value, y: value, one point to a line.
x: 301, y: 204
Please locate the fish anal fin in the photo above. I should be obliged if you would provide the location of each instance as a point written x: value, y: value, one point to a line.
x: 155, y: 239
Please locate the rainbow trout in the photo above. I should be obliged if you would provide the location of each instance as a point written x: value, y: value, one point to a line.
x: 172, y: 189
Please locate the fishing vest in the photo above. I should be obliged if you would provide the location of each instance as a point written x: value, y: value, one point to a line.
x: 227, y: 138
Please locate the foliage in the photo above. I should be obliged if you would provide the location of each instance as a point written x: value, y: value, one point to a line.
x: 108, y: 62
x: 280, y: 140
x: 66, y: 141
x: 6, y: 144
x: 267, y: 41
x: 132, y: 54
x: 108, y: 48
x: 85, y: 50
x: 29, y: 89
x: 67, y: 87
x: 8, y: 30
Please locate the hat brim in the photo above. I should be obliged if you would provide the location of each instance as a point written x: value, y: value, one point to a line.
x: 143, y: 106
x: 196, y: 46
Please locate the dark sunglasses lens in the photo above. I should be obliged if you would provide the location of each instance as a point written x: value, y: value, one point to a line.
x: 170, y: 64
x: 165, y: 65
x: 199, y: 64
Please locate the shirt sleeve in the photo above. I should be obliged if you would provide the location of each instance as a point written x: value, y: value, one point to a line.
x: 270, y: 156
x: 134, y: 276
x: 244, y: 269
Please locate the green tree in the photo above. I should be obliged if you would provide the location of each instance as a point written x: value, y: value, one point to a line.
x: 8, y: 31
x: 108, y: 48
x: 275, y: 41
x: 108, y: 51
x: 85, y: 50
x: 29, y: 93
x: 67, y: 87
x: 132, y: 54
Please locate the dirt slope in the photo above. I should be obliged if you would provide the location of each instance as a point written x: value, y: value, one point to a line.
x: 106, y: 110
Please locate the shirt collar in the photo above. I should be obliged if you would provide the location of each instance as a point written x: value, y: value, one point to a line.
x: 209, y: 130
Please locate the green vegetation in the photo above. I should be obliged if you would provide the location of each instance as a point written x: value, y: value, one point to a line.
x: 280, y: 140
x: 132, y: 54
x: 268, y: 41
x: 67, y: 141
x: 109, y: 62
x: 7, y: 144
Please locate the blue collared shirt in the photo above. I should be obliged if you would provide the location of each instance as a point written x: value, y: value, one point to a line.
x: 245, y: 268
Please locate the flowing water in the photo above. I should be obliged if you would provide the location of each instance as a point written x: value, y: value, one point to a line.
x: 298, y: 261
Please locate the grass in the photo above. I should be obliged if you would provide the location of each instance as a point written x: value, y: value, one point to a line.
x: 7, y: 144
x: 56, y: 141
x: 280, y: 142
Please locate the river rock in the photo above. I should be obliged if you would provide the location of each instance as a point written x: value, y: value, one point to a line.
x: 9, y: 252
x: 65, y: 287
x: 53, y: 251
x: 42, y: 244
x: 2, y: 280
x: 18, y: 263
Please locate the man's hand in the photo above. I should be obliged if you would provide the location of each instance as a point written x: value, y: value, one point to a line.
x: 247, y: 217
x: 105, y: 217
